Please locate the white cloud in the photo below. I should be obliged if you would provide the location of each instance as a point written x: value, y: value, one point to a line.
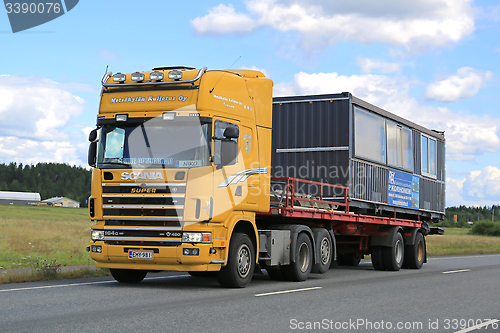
x: 412, y: 23
x: 465, y: 83
x: 483, y: 185
x: 370, y: 65
x: 454, y: 195
x: 26, y: 151
x: 467, y: 136
x: 223, y: 19
x: 34, y: 107
x: 255, y: 68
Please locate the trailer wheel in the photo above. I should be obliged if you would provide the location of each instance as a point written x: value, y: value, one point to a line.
x: 349, y: 259
x: 377, y: 261
x: 128, y: 275
x: 393, y: 256
x: 241, y: 263
x: 324, y: 251
x: 299, y: 269
x: 415, y: 254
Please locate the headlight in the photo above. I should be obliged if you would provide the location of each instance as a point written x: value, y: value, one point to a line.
x: 196, y: 237
x: 96, y: 235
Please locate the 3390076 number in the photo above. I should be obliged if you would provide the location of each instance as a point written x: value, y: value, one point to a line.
x: 33, y: 8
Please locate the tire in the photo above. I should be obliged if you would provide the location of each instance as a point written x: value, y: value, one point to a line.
x: 128, y: 275
x: 275, y: 274
x: 299, y: 269
x: 415, y: 254
x: 349, y: 259
x: 393, y: 256
x: 324, y: 251
x: 202, y: 274
x: 240, y: 265
x: 377, y: 262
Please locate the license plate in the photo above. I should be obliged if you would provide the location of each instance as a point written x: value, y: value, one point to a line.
x: 140, y: 254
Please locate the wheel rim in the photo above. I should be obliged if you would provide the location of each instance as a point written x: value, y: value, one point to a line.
x: 399, y: 251
x: 325, y: 251
x: 420, y: 251
x: 303, y: 257
x: 244, y: 260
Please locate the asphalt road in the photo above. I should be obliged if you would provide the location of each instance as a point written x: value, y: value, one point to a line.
x: 449, y: 294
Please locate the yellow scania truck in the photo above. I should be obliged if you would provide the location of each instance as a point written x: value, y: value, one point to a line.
x: 202, y: 171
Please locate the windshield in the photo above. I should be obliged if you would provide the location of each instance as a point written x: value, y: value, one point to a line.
x: 179, y: 143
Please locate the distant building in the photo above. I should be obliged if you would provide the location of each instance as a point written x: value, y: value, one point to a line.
x: 62, y: 202
x: 19, y: 198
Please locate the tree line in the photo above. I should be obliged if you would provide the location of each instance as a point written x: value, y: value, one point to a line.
x: 48, y: 179
x: 461, y: 215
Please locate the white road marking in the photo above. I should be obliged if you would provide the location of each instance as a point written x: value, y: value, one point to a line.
x: 457, y: 271
x: 287, y: 291
x: 83, y: 284
x: 465, y: 257
x: 477, y: 327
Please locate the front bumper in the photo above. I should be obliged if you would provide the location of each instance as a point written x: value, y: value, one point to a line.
x: 164, y: 258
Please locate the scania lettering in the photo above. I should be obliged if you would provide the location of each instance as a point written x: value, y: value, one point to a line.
x: 203, y: 171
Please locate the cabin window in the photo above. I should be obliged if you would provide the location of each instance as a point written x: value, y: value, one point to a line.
x: 399, y: 146
x: 370, y: 136
x: 428, y: 156
x: 224, y: 147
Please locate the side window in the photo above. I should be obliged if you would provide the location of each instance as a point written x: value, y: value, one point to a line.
x: 224, y: 147
x: 428, y: 156
x: 399, y: 146
x: 370, y: 136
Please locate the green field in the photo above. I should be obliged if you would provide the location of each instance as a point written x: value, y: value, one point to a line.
x: 456, y: 241
x: 30, y: 234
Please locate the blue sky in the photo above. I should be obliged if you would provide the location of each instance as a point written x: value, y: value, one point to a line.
x: 435, y: 62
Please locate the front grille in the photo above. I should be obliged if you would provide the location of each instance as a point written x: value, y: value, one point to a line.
x: 143, y: 214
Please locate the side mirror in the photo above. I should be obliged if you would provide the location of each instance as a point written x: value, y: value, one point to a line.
x: 231, y: 132
x: 93, y: 135
x: 92, y: 154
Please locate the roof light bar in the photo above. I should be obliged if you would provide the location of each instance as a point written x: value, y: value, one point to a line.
x: 156, y: 76
x: 119, y: 77
x: 175, y: 75
x: 138, y: 77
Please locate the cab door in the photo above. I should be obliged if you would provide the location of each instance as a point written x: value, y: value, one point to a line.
x: 230, y: 180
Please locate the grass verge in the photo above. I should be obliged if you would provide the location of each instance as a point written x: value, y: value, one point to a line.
x: 456, y: 241
x: 33, y: 276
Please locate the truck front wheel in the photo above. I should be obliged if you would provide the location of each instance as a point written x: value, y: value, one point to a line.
x: 128, y: 275
x: 241, y: 263
x: 299, y: 269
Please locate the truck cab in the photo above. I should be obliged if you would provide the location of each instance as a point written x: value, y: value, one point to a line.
x: 181, y: 157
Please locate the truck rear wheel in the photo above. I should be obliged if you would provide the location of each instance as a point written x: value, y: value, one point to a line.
x: 324, y: 251
x: 241, y: 263
x: 377, y: 261
x: 299, y: 269
x: 128, y: 275
x: 415, y: 254
x: 393, y: 256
